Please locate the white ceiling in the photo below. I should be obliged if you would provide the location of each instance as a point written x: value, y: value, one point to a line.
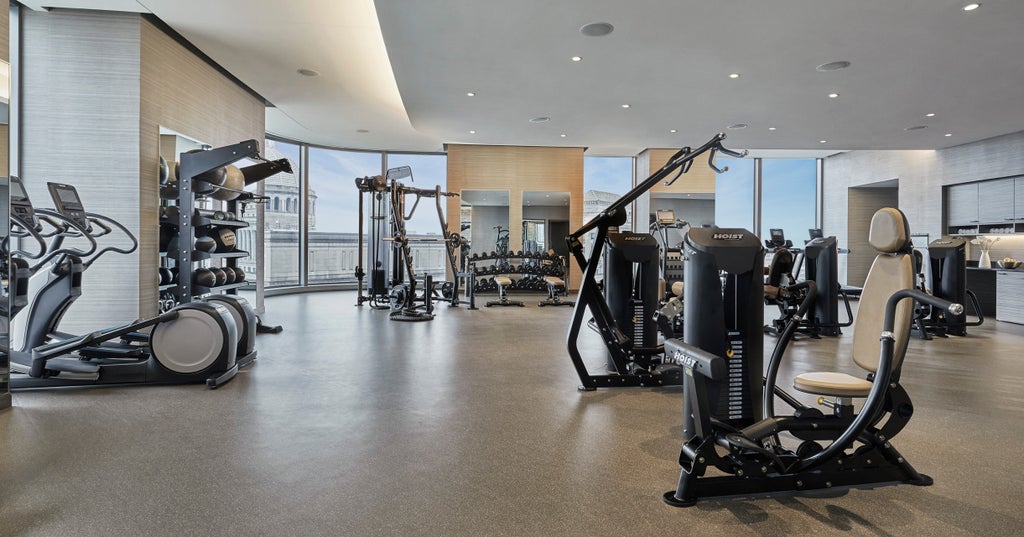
x: 669, y: 60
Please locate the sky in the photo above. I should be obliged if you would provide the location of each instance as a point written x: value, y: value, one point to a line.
x: 608, y: 174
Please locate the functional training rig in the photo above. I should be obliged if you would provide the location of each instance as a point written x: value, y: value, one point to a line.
x: 388, y: 203
x: 729, y: 421
x: 634, y: 364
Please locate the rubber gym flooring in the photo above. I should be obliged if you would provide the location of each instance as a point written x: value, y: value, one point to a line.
x: 350, y: 424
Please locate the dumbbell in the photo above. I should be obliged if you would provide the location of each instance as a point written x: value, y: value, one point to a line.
x: 474, y: 257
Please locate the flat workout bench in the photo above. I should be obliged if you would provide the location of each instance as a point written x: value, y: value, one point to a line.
x: 503, y: 300
x: 554, y: 283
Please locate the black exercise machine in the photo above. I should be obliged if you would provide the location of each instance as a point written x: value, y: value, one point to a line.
x: 406, y: 297
x: 729, y: 420
x: 947, y: 278
x: 821, y: 265
x: 634, y: 362
x: 194, y: 342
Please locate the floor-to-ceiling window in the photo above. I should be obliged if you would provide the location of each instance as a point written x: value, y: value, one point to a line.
x: 333, y: 210
x: 789, y: 192
x: 424, y: 227
x: 734, y: 194
x: 281, y: 245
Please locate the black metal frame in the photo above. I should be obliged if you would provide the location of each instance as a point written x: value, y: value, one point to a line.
x: 621, y: 350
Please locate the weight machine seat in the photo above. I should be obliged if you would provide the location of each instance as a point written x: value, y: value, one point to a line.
x: 502, y: 281
x: 891, y: 271
x: 677, y: 289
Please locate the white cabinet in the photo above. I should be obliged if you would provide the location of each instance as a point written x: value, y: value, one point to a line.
x: 1010, y: 296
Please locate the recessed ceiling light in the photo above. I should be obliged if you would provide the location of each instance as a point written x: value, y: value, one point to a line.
x: 822, y: 141
x: 833, y: 66
x: 625, y: 106
x: 916, y: 128
x: 948, y: 134
x: 930, y: 115
x: 833, y: 95
x: 971, y: 7
x: 472, y: 132
x: 734, y: 75
x: 576, y: 58
x: 540, y: 119
x: 308, y: 72
x: 673, y: 131
x: 362, y: 131
x: 470, y: 94
x: 737, y: 126
x: 562, y: 135
x: 771, y: 128
x: 596, y: 29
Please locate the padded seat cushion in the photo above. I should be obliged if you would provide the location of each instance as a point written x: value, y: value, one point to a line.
x: 552, y: 280
x: 502, y: 280
x: 834, y: 384
x: 677, y: 289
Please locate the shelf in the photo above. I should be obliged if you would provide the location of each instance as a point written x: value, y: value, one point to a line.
x: 166, y: 286
x: 203, y: 221
x: 198, y: 255
x: 203, y: 290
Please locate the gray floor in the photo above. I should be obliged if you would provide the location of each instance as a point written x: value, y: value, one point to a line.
x: 350, y: 424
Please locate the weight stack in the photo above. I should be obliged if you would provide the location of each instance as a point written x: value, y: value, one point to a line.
x: 724, y: 314
x: 821, y: 264
x: 948, y: 280
x: 632, y: 295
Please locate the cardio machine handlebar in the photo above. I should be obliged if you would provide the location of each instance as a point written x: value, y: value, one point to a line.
x: 64, y: 227
x: 99, y: 220
x: 26, y: 230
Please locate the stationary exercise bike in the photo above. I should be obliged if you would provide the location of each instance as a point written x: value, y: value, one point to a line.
x: 729, y: 421
x: 194, y: 342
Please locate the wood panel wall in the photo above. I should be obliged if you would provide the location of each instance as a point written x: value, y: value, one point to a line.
x: 518, y: 169
x: 183, y: 93
x: 5, y: 53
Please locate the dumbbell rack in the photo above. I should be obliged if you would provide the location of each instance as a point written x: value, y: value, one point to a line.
x: 188, y: 220
x: 502, y: 266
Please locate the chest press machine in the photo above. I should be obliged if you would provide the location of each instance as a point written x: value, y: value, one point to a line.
x: 729, y: 420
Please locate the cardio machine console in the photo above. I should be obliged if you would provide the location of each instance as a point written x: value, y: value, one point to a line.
x: 21, y: 206
x: 68, y: 203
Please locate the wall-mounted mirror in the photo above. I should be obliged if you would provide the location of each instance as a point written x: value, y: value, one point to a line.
x: 488, y: 220
x: 546, y: 221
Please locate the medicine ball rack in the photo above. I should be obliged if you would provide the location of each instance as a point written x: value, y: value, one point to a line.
x: 189, y: 220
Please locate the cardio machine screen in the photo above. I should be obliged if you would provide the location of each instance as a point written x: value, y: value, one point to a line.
x: 778, y: 237
x: 65, y: 197
x: 20, y: 204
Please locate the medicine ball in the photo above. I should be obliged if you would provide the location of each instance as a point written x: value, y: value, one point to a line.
x: 229, y: 275
x: 220, y: 277
x: 225, y: 238
x: 169, y: 191
x: 207, y: 183
x: 165, y: 276
x: 172, y: 243
x: 239, y: 274
x: 234, y: 180
x: 165, y: 171
x: 204, y: 277
x: 171, y: 212
x: 205, y: 243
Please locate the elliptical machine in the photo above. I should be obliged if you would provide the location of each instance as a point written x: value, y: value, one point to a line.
x: 729, y: 421
x: 191, y: 343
